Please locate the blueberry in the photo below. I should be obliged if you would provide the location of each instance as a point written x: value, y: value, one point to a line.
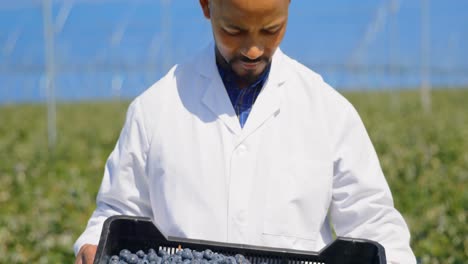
x: 231, y: 260
x: 197, y: 254
x: 151, y: 250
x: 243, y: 260
x: 187, y: 261
x: 157, y: 261
x: 196, y: 261
x: 162, y: 253
x: 187, y: 254
x: 152, y: 256
x: 208, y: 254
x: 125, y: 257
x: 218, y: 256
x: 113, y: 261
x: 175, y: 258
x: 132, y: 259
x: 124, y: 252
x: 222, y: 260
x: 141, y: 254
x: 240, y: 259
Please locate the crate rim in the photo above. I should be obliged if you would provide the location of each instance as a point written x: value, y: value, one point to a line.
x: 171, y: 239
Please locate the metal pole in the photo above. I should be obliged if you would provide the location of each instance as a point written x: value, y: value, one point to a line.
x: 166, y: 33
x: 50, y: 73
x: 425, y: 57
x: 393, y: 65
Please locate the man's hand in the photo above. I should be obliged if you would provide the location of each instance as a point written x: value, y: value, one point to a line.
x: 86, y: 254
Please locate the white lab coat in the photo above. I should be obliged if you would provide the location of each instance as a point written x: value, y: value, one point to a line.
x: 302, y: 161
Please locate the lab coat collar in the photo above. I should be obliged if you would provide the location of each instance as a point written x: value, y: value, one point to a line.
x: 217, y: 99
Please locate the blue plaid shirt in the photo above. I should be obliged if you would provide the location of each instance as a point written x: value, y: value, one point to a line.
x: 242, y: 99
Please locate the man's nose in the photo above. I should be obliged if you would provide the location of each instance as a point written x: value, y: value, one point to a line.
x: 253, y: 50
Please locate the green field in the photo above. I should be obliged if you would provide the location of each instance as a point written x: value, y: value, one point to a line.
x: 46, y: 197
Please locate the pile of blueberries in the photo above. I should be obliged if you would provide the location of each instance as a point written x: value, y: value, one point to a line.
x: 182, y: 256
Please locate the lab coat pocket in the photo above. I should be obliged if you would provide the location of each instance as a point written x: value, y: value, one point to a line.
x: 272, y: 238
x: 296, y: 204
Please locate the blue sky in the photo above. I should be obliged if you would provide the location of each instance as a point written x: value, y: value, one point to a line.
x: 132, y: 43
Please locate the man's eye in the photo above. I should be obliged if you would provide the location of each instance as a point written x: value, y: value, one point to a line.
x: 271, y: 31
x: 232, y: 32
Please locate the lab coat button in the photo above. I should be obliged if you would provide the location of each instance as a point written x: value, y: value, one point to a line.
x: 241, y: 217
x: 242, y: 148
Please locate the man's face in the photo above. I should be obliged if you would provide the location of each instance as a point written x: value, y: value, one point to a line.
x: 247, y: 32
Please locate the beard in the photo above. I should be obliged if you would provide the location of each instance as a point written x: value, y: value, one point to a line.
x: 247, y: 76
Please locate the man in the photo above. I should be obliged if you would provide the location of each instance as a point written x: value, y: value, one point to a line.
x: 242, y: 144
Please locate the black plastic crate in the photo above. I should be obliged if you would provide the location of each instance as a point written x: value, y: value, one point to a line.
x: 136, y: 233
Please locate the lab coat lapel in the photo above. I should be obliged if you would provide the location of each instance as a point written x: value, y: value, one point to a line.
x: 268, y: 101
x: 217, y: 100
x: 215, y: 96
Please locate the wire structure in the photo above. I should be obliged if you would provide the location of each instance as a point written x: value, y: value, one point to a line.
x: 66, y: 50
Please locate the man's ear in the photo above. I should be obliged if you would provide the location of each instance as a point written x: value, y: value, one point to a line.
x: 205, y: 5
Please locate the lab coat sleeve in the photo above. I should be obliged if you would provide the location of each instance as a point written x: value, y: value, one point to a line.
x: 362, y: 204
x: 124, y: 188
